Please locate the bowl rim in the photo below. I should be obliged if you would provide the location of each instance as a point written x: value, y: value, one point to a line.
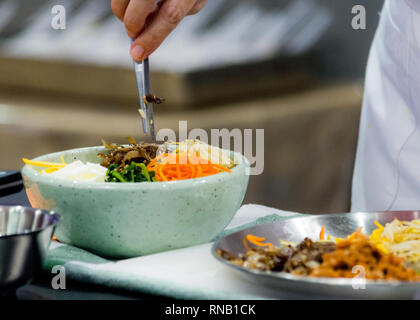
x: 54, y: 215
x: 29, y: 172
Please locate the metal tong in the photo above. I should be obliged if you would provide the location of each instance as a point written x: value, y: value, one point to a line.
x: 142, y: 72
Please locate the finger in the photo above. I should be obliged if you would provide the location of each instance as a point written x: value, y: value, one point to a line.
x: 135, y: 16
x: 118, y: 7
x: 166, y: 19
x: 197, y: 7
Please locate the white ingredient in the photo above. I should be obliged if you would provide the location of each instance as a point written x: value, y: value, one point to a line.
x: 79, y: 171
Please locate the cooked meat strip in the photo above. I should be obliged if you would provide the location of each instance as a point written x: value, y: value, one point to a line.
x: 307, y: 256
x: 123, y: 155
x: 268, y: 259
x: 298, y: 260
x: 153, y: 99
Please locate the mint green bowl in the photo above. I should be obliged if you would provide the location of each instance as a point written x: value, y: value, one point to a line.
x: 122, y: 220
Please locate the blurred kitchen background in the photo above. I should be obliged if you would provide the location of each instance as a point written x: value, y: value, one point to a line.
x: 292, y: 67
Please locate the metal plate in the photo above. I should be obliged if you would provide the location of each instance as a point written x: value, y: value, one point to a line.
x: 337, y: 225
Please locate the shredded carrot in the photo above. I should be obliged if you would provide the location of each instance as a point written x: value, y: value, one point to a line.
x: 246, y: 245
x: 359, y: 251
x: 161, y: 175
x: 182, y: 166
x: 354, y: 235
x: 322, y: 233
x: 357, y: 232
x: 256, y: 241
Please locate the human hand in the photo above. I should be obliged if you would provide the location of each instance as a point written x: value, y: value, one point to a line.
x: 150, y: 23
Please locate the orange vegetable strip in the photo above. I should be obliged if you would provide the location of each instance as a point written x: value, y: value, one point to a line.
x: 257, y: 241
x: 322, y: 233
x: 246, y: 245
x: 183, y: 166
x: 162, y: 176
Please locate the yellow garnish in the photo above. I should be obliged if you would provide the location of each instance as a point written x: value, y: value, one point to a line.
x: 44, y: 164
x: 287, y: 242
x: 50, y: 170
x: 62, y: 160
x: 381, y: 247
x: 378, y: 225
x: 376, y: 235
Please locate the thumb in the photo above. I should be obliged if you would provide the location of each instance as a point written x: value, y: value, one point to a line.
x: 163, y: 22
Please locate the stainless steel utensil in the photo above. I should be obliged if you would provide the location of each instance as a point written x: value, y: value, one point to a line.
x: 142, y: 71
x: 337, y: 225
x: 25, y: 234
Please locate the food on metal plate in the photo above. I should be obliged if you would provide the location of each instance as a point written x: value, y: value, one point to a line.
x: 307, y: 255
x: 400, y: 237
x: 299, y: 259
x: 337, y: 257
x: 360, y: 252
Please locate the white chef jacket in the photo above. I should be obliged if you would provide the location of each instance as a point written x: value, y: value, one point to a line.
x: 387, y: 167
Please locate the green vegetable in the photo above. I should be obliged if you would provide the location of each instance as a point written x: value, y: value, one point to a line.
x: 144, y: 170
x: 134, y: 172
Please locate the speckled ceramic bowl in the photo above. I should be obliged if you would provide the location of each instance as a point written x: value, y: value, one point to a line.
x: 122, y: 220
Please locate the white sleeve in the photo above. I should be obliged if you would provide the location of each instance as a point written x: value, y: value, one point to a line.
x: 386, y: 174
x: 414, y: 4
